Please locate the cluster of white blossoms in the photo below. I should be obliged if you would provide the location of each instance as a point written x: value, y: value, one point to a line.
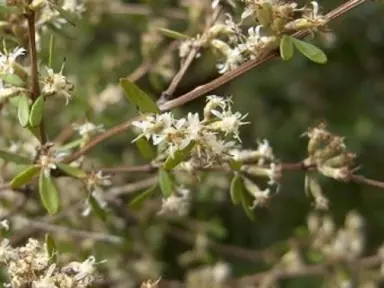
x: 346, y: 243
x: 270, y: 20
x: 209, y: 140
x: 32, y: 266
x: 176, y: 204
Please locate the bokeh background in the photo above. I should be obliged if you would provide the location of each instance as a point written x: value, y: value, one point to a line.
x: 283, y: 99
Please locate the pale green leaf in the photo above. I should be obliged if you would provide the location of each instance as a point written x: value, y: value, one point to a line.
x: 11, y: 157
x: 48, y: 193
x: 137, y: 202
x: 37, y: 112
x: 72, y: 171
x: 25, y: 176
x: 23, y: 110
x: 178, y: 157
x: 174, y: 34
x: 145, y: 148
x: 138, y: 97
x: 67, y: 15
x: 286, y: 47
x: 166, y: 183
x: 96, y: 208
x: 51, y: 247
x: 237, y: 188
x: 310, y: 51
x: 12, y: 79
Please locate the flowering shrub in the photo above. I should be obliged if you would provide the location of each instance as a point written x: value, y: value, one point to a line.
x: 186, y: 154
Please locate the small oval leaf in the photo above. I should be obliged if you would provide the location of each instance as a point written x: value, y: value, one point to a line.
x: 11, y: 157
x: 236, y: 189
x: 12, y: 79
x: 25, y: 176
x: 310, y: 51
x: 137, y: 202
x: 166, y: 183
x: 72, y: 171
x: 246, y: 201
x: 23, y: 110
x: 178, y: 156
x: 174, y: 34
x: 48, y: 193
x: 96, y: 208
x: 51, y: 247
x: 286, y: 47
x: 37, y: 112
x: 145, y: 148
x: 138, y: 97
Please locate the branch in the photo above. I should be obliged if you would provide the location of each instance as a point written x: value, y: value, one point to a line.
x: 35, y: 89
x: 199, y: 91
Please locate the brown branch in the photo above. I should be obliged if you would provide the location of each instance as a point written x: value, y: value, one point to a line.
x: 199, y: 91
x: 35, y: 89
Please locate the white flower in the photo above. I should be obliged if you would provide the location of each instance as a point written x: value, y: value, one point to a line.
x: 233, y: 60
x: 175, y: 204
x: 4, y: 224
x: 88, y: 128
x: 265, y: 151
x: 47, y: 163
x: 57, y: 83
x: 220, y: 272
x: 7, y: 60
x: 229, y: 123
x: 192, y: 131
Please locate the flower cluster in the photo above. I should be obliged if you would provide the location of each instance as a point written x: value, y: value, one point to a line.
x: 209, y: 276
x: 209, y: 140
x: 56, y: 84
x: 48, y: 156
x: 346, y: 243
x: 32, y: 266
x: 271, y: 19
x: 176, y: 204
x: 328, y: 153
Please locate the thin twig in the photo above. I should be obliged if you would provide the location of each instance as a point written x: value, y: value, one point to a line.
x: 191, y: 56
x: 83, y: 234
x: 35, y: 89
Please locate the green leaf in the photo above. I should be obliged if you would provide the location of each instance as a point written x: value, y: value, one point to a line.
x: 286, y: 47
x: 235, y: 165
x: 166, y: 183
x: 23, y: 110
x: 67, y: 15
x: 178, y: 156
x: 137, y: 202
x: 12, y: 79
x: 246, y: 201
x: 310, y: 51
x: 11, y: 157
x: 138, y: 97
x: 37, y: 111
x: 9, y: 9
x: 48, y: 193
x: 174, y: 34
x: 145, y: 148
x: 72, y: 171
x: 25, y: 176
x: 70, y: 145
x: 51, y: 247
x: 96, y: 208
x: 237, y: 188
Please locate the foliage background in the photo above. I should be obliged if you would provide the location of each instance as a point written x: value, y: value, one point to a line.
x: 282, y: 99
